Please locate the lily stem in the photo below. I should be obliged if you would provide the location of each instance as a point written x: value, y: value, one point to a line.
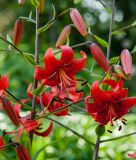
x: 74, y: 132
x: 116, y: 138
x: 110, y: 30
x: 96, y: 149
x: 3, y: 39
x: 37, y: 61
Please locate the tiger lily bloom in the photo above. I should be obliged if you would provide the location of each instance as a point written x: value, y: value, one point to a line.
x: 109, y: 105
x: 60, y: 71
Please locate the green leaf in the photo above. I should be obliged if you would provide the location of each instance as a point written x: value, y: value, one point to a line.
x: 29, y: 57
x: 133, y: 24
x: 101, y: 41
x: 54, y: 11
x: 118, y: 32
x: 35, y: 3
x: 48, y: 24
x: 114, y: 60
x: 133, y: 50
x: 45, y: 27
x: 39, y: 90
x: 9, y: 40
x: 40, y: 150
x: 90, y: 32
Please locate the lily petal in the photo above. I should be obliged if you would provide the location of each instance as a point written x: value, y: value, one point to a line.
x: 67, y: 54
x: 46, y: 132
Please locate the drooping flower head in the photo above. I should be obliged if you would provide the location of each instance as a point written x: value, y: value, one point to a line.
x: 60, y: 71
x: 109, y: 105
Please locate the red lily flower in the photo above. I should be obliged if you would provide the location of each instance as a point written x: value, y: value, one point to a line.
x: 61, y: 71
x: 109, y: 105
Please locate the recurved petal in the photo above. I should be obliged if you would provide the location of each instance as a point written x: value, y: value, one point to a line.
x: 67, y: 54
x: 39, y: 73
x: 128, y: 102
x: 4, y: 82
x: 78, y: 64
x: 46, y: 132
x: 51, y: 63
x: 47, y: 98
x: 29, y: 124
x: 98, y: 94
x: 116, y: 85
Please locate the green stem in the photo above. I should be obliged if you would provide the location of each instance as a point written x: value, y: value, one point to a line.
x: 74, y: 132
x: 62, y: 108
x: 11, y: 45
x: 35, y: 84
x: 96, y: 149
x: 7, y: 145
x: 77, y: 45
x: 124, y: 28
x: 110, y: 30
x: 116, y: 138
x: 18, y: 100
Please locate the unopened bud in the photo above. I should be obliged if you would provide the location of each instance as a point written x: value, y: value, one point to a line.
x: 18, y: 30
x: 22, y: 152
x: 126, y: 60
x: 78, y: 21
x: 63, y: 36
x: 41, y: 6
x: 99, y: 56
x: 118, y: 69
x: 8, y: 108
x: 21, y: 2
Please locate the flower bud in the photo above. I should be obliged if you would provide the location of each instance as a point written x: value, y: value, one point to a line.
x: 78, y: 21
x: 22, y: 152
x: 99, y: 56
x: 118, y: 69
x: 18, y: 30
x: 41, y: 6
x: 63, y: 36
x: 126, y: 60
x: 8, y: 108
x: 21, y: 2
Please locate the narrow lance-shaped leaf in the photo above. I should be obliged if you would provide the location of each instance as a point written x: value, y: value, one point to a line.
x: 29, y: 58
x: 101, y: 41
x: 35, y: 3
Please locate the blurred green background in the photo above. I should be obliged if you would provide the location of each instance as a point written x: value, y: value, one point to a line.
x: 67, y: 146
